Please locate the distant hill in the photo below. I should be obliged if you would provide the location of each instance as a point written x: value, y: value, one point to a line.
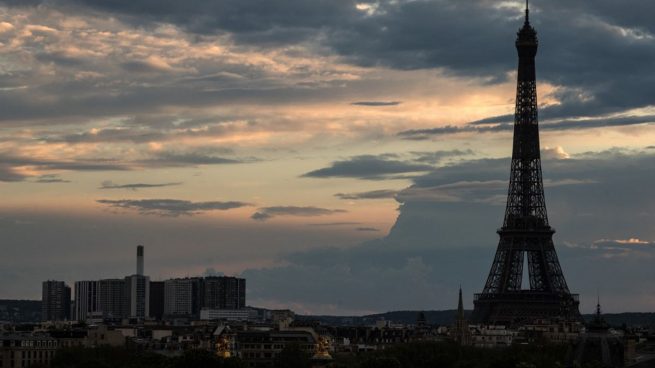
x: 20, y: 311
x: 630, y: 319
x: 447, y: 317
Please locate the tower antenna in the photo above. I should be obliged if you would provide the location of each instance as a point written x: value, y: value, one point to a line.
x: 527, y: 11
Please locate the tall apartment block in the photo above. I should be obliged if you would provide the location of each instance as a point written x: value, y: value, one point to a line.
x: 178, y: 297
x: 111, y: 298
x: 224, y: 293
x: 86, y: 299
x: 55, y: 301
x: 157, y: 299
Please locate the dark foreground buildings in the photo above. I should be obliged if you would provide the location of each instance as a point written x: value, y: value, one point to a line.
x: 525, y: 236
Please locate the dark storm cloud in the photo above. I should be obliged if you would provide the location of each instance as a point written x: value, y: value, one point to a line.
x: 376, y: 103
x: 590, y: 196
x: 267, y: 213
x: 438, y: 245
x: 602, y: 56
x: 134, y: 186
x: 367, y: 167
x: 374, y: 194
x: 257, y: 22
x: 171, y: 207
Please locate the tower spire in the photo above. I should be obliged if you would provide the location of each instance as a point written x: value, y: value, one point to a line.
x: 527, y: 11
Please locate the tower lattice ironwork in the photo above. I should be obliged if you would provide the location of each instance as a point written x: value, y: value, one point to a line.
x: 525, y: 234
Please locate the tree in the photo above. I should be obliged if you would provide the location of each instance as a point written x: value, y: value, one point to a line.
x: 292, y: 356
x: 381, y: 362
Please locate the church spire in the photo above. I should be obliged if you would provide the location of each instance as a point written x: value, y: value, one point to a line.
x: 460, y: 306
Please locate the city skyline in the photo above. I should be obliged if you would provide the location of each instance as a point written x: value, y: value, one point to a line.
x: 331, y: 156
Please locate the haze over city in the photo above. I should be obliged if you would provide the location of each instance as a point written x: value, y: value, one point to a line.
x: 345, y: 157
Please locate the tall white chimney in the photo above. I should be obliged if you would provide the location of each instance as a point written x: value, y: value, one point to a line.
x: 139, y: 260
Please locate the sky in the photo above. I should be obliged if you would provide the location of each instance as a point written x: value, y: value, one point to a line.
x: 346, y: 157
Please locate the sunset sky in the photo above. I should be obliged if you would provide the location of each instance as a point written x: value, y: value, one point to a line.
x: 346, y: 157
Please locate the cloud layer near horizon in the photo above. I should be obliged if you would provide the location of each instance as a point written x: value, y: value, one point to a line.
x: 326, y: 121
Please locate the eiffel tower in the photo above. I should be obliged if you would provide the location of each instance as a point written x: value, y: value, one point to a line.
x: 525, y: 234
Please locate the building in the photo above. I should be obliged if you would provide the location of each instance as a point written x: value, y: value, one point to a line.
x: 226, y: 314
x: 260, y: 348
x: 86, y: 299
x: 18, y: 351
x: 492, y: 336
x: 111, y: 298
x: 224, y: 293
x: 157, y: 300
x: 137, y: 296
x: 599, y: 346
x: 137, y: 290
x: 55, y: 301
x: 178, y: 297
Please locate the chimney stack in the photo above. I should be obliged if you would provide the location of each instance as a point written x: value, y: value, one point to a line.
x: 139, y: 260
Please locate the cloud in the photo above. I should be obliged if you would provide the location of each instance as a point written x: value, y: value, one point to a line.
x: 49, y: 179
x: 12, y: 167
x: 367, y: 229
x: 266, y: 213
x: 12, y: 162
x: 452, y: 242
x: 322, y: 224
x: 618, y: 248
x: 172, y: 159
x: 400, y: 35
x: 555, y: 153
x: 470, y: 191
x: 8, y: 173
x: 171, y: 207
x: 492, y: 125
x: 438, y: 156
x: 374, y: 194
x: 624, y: 245
x: 367, y: 167
x: 376, y: 103
x: 108, y: 184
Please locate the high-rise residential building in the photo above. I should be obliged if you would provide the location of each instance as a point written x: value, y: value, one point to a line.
x: 224, y: 293
x: 178, y: 297
x: 111, y: 298
x: 55, y: 301
x: 137, y: 290
x: 157, y: 299
x: 137, y: 296
x: 86, y: 299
